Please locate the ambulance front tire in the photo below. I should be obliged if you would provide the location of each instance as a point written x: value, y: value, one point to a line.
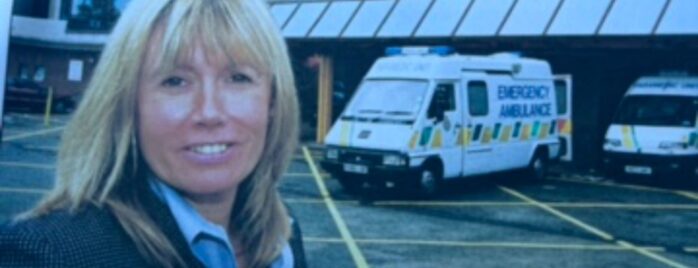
x: 538, y: 167
x: 429, y: 180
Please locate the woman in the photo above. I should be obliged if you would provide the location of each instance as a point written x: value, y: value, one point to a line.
x: 173, y: 156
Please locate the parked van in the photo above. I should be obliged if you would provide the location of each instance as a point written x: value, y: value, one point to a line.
x: 424, y: 115
x: 654, y: 131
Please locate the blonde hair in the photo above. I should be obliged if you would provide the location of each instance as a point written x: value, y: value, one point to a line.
x: 98, y: 161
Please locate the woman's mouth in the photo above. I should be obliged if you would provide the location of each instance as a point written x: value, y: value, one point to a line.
x: 211, y: 148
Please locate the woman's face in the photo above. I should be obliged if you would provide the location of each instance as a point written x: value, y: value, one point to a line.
x: 202, y: 127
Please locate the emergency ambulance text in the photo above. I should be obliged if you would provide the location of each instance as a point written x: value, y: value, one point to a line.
x: 525, y: 92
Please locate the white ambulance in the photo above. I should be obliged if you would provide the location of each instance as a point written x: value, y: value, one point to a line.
x: 422, y: 115
x: 655, y: 130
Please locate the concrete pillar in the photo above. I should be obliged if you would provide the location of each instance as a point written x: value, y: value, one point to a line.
x: 54, y: 9
x: 324, y: 113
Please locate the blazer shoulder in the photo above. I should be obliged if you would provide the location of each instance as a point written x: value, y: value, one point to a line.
x: 90, y: 236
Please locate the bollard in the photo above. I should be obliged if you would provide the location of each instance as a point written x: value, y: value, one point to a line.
x: 49, y: 102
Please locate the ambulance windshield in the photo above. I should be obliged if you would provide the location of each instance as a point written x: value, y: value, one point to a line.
x: 387, y: 99
x: 677, y: 111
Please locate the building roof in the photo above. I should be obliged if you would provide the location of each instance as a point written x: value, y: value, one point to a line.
x: 352, y: 19
x: 425, y: 19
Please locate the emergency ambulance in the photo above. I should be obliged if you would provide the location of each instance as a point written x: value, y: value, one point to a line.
x: 423, y: 115
x: 655, y: 130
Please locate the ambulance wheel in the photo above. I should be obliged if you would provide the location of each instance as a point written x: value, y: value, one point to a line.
x: 429, y: 181
x: 538, y: 168
x: 350, y: 184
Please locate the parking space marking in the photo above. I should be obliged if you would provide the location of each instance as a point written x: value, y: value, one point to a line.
x: 593, y: 229
x: 505, y: 204
x: 22, y: 190
x: 625, y: 206
x: 32, y: 134
x: 356, y: 254
x: 689, y: 195
x: 305, y: 175
x: 26, y: 165
x: 489, y: 244
x: 304, y: 201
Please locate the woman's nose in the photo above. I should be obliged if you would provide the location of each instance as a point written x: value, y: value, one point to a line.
x: 207, y: 109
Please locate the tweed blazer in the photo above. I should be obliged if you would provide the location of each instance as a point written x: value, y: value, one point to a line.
x: 93, y: 237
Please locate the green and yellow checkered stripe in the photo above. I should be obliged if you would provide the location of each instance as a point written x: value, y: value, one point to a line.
x: 490, y: 134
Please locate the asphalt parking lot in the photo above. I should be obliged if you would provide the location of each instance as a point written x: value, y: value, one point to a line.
x: 496, y: 221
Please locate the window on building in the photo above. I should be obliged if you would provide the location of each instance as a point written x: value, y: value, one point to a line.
x: 40, y: 74
x: 23, y: 72
x: 92, y: 15
x: 477, y: 98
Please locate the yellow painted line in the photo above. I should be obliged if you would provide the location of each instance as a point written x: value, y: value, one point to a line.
x: 498, y: 244
x: 593, y: 230
x: 26, y: 165
x: 22, y: 190
x: 447, y: 203
x: 625, y: 206
x: 651, y: 255
x: 305, y: 175
x: 493, y: 244
x: 507, y: 204
x: 303, y: 201
x: 356, y: 254
x: 32, y: 134
x: 322, y: 240
x: 627, y: 186
x: 555, y: 212
x: 689, y: 195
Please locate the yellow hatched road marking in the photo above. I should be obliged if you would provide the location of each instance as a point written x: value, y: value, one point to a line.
x: 593, y: 230
x: 32, y: 134
x: 26, y: 165
x: 489, y: 244
x: 506, y: 204
x: 690, y: 195
x: 687, y: 194
x: 22, y: 190
x: 356, y: 254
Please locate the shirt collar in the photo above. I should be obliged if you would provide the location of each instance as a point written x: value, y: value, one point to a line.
x: 190, y: 222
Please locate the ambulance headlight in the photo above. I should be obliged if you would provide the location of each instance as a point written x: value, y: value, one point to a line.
x: 332, y: 154
x: 612, y: 142
x: 668, y: 145
x: 394, y: 160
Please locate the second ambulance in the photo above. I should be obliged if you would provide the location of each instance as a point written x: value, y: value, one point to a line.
x: 655, y: 130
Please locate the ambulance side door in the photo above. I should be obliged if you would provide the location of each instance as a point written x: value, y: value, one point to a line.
x: 563, y: 99
x: 478, y: 151
x: 445, y: 117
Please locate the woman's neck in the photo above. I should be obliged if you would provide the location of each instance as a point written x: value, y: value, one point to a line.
x: 216, y: 208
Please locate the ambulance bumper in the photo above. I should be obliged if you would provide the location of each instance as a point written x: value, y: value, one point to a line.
x: 367, y: 166
x: 675, y: 167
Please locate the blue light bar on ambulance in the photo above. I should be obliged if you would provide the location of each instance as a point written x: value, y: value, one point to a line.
x: 435, y: 50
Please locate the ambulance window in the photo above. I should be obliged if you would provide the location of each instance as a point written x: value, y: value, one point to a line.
x: 561, y: 96
x: 477, y: 98
x: 449, y: 102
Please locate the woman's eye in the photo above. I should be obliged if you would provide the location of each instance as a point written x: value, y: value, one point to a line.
x: 173, y: 82
x: 240, y: 78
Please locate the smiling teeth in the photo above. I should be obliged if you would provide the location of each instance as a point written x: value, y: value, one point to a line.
x: 210, y: 148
